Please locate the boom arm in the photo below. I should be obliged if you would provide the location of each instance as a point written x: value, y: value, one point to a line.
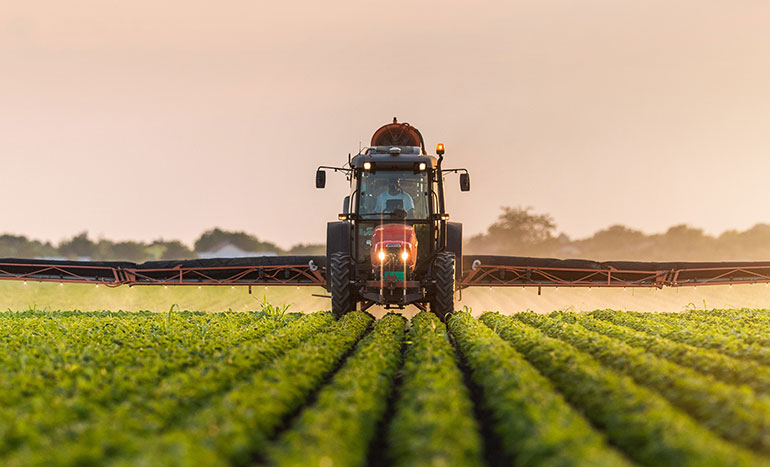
x: 480, y: 271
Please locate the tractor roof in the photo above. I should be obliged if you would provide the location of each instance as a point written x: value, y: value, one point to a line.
x: 388, y: 161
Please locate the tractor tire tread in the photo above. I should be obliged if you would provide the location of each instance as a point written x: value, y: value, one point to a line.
x: 342, y: 297
x: 442, y: 304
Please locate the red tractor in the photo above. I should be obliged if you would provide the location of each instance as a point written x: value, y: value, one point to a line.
x: 393, y: 244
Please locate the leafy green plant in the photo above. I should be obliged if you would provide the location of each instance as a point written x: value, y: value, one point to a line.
x: 339, y: 428
x: 237, y: 425
x: 535, y: 424
x: 643, y: 424
x: 728, y: 369
x: 735, y: 414
x: 433, y: 422
x: 705, y: 335
x: 273, y: 310
x: 117, y: 409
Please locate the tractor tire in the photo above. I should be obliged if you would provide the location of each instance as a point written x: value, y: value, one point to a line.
x: 443, y: 302
x: 342, y: 296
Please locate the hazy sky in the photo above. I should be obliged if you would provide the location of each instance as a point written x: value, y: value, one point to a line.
x: 146, y: 119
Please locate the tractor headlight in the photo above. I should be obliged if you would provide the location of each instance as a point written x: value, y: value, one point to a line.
x: 404, y: 255
x: 381, y: 255
x: 367, y: 165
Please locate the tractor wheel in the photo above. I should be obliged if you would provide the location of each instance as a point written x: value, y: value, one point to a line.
x: 443, y: 303
x: 339, y: 277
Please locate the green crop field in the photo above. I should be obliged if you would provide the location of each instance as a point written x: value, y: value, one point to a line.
x: 277, y: 388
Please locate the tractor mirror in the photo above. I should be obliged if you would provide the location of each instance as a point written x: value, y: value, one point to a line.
x: 346, y: 205
x: 465, y: 182
x: 320, y: 179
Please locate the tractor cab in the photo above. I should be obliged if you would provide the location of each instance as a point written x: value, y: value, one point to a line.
x: 393, y: 230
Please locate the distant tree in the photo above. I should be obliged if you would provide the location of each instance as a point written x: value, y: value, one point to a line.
x: 171, y: 249
x: 753, y: 243
x: 107, y: 250
x: 616, y: 242
x: 683, y: 243
x: 307, y: 249
x: 517, y: 231
x: 19, y: 246
x: 212, y: 239
x: 129, y: 251
x: 79, y: 246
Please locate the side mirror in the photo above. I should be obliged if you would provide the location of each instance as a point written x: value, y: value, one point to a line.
x: 465, y: 182
x: 346, y: 205
x: 320, y: 179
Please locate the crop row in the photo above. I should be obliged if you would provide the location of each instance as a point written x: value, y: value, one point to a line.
x: 705, y: 336
x: 737, y: 415
x: 733, y: 319
x: 433, y: 419
x: 535, y: 424
x: 722, y: 367
x: 340, y: 426
x: 639, y: 421
x: 605, y: 388
x: 81, y: 379
x: 750, y: 328
x: 236, y: 427
x: 104, y: 430
x: 86, y: 354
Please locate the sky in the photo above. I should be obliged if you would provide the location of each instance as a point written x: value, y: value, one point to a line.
x: 145, y: 120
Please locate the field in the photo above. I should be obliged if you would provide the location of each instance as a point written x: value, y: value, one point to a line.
x: 276, y: 388
x: 17, y: 295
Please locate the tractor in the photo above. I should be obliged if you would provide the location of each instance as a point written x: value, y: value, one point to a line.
x: 393, y: 244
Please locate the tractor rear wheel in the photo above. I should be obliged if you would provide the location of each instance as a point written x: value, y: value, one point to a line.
x: 340, y: 266
x: 443, y: 303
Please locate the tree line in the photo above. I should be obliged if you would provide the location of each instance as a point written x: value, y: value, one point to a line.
x: 82, y: 246
x: 520, y: 232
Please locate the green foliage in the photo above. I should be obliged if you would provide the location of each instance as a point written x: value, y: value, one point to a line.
x: 78, y: 246
x: 750, y: 326
x: 520, y: 231
x: 211, y: 239
x: 81, y: 246
x: 705, y: 335
x: 169, y: 249
x: 643, y: 424
x: 273, y: 310
x: 188, y: 388
x: 236, y: 425
x: 119, y: 388
x: 535, y: 424
x: 308, y: 249
x: 433, y: 422
x: 338, y: 429
x: 517, y: 231
x: 18, y: 246
x: 725, y: 368
x: 736, y: 414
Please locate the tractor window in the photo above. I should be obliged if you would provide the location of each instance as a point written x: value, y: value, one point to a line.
x: 394, y: 194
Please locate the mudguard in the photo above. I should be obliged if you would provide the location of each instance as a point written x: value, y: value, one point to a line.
x: 338, y: 236
x: 454, y: 243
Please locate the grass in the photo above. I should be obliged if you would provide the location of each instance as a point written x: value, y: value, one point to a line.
x: 51, y: 296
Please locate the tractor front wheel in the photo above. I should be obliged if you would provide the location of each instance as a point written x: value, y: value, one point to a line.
x: 443, y: 303
x: 340, y: 266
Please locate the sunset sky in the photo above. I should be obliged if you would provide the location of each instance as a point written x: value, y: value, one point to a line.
x: 145, y: 119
